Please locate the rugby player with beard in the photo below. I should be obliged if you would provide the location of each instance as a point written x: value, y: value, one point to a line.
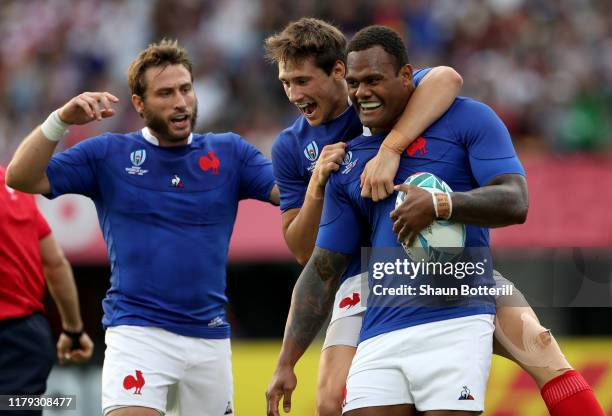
x: 166, y: 199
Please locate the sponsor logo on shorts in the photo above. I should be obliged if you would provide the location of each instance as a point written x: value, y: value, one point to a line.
x: 130, y: 382
x: 210, y: 162
x: 465, y: 394
x: 137, y: 158
x: 311, y: 151
x: 417, y: 147
x: 348, y: 302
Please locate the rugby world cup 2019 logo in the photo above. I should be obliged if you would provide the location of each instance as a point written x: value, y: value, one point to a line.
x: 137, y: 157
x: 312, y: 151
x: 348, y: 162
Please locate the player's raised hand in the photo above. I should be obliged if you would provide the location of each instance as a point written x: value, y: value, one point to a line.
x: 66, y: 351
x: 329, y: 161
x: 414, y: 214
x: 283, y: 383
x: 87, y: 107
x: 378, y: 174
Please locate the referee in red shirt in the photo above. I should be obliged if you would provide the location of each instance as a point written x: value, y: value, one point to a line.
x: 28, y: 255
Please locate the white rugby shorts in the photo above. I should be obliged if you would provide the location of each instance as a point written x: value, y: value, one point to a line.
x: 435, y: 366
x: 174, y: 374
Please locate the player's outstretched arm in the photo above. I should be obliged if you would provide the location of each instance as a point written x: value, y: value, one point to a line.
x: 60, y: 281
x: 26, y: 171
x: 500, y: 202
x: 311, y: 302
x: 433, y: 96
x: 300, y: 225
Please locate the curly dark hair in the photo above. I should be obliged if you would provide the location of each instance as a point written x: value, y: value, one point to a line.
x: 388, y: 39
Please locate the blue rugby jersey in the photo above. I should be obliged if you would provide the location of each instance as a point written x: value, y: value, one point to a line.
x: 296, y: 150
x: 467, y: 147
x: 167, y: 214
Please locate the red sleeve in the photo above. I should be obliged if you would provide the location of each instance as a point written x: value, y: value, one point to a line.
x: 42, y: 227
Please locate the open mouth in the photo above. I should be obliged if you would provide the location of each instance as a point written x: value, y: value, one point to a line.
x: 307, y: 108
x: 180, y: 121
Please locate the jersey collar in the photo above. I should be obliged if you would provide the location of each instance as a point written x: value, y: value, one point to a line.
x: 146, y: 133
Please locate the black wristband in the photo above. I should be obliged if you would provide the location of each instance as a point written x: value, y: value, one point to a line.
x: 75, y: 338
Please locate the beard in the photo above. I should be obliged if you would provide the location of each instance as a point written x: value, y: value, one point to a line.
x: 162, y: 127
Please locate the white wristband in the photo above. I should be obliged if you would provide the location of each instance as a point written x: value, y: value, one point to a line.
x: 53, y: 127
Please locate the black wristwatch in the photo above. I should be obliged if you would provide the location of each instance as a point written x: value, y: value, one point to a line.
x: 75, y: 338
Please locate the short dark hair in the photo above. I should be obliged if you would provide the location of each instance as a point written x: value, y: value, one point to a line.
x: 388, y: 39
x: 167, y: 52
x: 306, y: 38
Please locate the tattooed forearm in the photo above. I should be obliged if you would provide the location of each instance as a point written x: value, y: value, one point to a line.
x: 313, y: 296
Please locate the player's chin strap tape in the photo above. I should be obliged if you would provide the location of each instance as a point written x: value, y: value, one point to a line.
x: 75, y: 337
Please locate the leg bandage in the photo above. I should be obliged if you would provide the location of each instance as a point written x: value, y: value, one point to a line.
x: 531, y: 344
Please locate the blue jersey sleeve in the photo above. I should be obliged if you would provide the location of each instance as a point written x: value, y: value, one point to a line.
x: 291, y: 183
x: 256, y: 177
x: 419, y: 74
x: 74, y: 171
x: 487, y: 139
x: 340, y: 227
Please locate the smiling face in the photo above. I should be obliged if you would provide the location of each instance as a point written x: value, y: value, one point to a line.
x: 319, y: 97
x: 377, y: 89
x: 168, y: 104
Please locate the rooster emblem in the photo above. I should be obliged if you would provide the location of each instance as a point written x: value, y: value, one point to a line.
x: 129, y: 382
x: 210, y: 162
x: 418, y: 146
x: 349, y: 302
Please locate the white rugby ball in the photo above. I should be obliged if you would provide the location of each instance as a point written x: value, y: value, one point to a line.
x: 441, y: 240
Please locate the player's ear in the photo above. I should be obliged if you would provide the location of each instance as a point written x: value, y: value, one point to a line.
x: 138, y: 104
x: 339, y: 70
x: 406, y: 75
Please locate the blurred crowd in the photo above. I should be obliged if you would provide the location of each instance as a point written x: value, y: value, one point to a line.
x: 545, y: 66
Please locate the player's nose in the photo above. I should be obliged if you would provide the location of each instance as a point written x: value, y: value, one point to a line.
x: 362, y: 91
x: 295, y: 94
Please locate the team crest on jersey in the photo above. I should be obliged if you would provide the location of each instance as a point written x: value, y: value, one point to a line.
x: 137, y: 158
x: 312, y: 151
x: 417, y: 147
